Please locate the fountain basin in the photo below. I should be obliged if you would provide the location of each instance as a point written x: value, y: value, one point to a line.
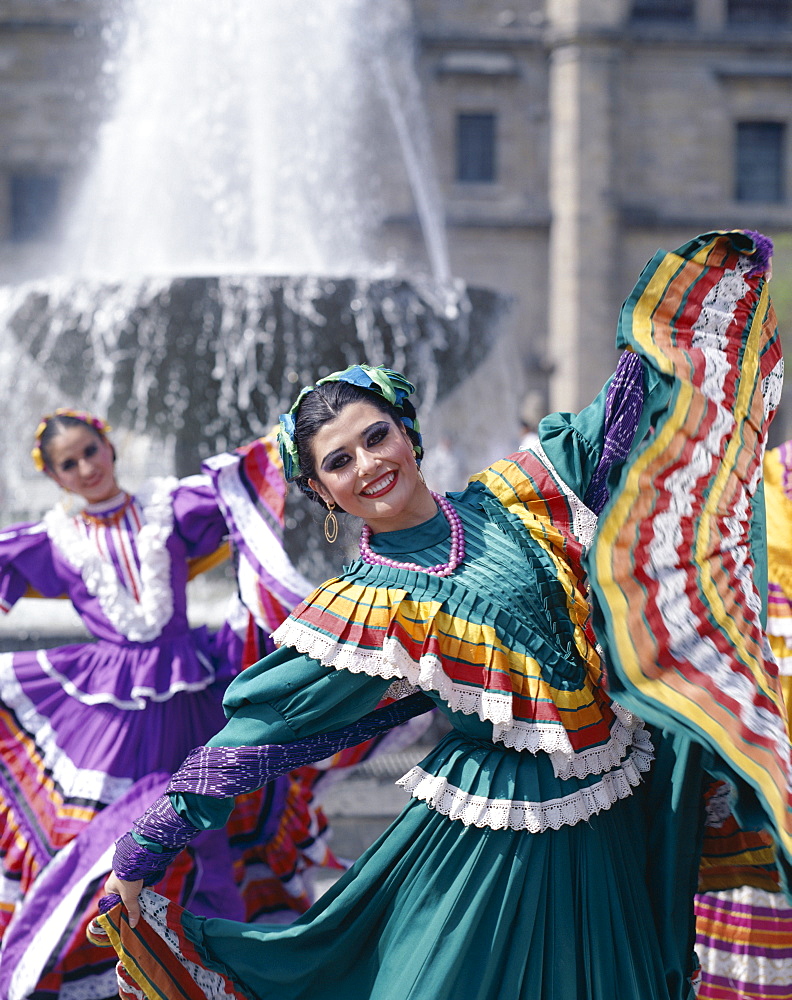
x: 204, y: 363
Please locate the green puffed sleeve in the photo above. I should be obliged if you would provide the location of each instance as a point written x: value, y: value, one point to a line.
x: 282, y: 698
x: 574, y: 441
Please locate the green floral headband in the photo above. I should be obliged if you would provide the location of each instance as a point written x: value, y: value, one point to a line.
x: 386, y: 383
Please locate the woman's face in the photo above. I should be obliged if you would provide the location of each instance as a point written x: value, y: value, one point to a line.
x: 81, y: 461
x: 366, y: 466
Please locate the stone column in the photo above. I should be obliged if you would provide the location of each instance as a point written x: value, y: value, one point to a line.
x: 584, y: 234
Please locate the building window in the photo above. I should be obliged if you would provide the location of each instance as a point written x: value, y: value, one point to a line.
x: 759, y: 11
x: 760, y: 161
x: 475, y: 148
x: 663, y: 10
x: 34, y: 204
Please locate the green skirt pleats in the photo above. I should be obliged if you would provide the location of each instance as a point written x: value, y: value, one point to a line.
x: 435, y: 910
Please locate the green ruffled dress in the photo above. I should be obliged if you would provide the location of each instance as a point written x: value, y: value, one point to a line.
x: 500, y: 880
x: 542, y: 854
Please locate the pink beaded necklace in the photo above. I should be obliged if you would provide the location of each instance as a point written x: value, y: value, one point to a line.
x: 367, y: 554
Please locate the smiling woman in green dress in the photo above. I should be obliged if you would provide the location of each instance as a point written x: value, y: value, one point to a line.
x: 549, y: 849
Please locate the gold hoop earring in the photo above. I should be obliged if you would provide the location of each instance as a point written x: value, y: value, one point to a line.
x: 420, y: 474
x: 331, y: 524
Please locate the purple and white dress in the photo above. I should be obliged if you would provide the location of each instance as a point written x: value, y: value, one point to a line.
x: 89, y: 733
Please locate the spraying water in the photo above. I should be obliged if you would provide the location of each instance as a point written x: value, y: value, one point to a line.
x: 253, y: 136
x: 230, y: 239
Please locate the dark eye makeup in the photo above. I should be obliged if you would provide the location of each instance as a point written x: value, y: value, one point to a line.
x: 377, y: 434
x: 373, y: 436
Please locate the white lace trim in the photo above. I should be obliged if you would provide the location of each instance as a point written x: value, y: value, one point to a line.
x: 584, y: 520
x: 138, y: 621
x: 139, y: 696
x: 772, y: 386
x: 627, y: 732
x: 102, y: 984
x: 393, y: 661
x: 127, y: 988
x: 153, y: 908
x: 401, y: 688
x: 518, y: 814
x: 72, y: 781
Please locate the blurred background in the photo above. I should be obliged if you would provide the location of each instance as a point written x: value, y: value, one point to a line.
x: 540, y: 150
x: 205, y: 204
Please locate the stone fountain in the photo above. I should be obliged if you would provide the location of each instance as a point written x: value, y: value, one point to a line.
x: 229, y: 243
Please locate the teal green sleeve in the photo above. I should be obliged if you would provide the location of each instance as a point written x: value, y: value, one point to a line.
x: 573, y: 441
x: 281, y: 699
x: 305, y: 697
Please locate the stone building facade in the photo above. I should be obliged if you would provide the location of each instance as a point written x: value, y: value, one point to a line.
x: 571, y: 138
x: 620, y: 127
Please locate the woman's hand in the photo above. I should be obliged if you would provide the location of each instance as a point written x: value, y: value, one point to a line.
x: 129, y: 892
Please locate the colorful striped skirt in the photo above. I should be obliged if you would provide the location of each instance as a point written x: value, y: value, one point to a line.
x: 744, y: 942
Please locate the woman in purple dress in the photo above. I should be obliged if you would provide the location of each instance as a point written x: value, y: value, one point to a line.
x: 89, y: 733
